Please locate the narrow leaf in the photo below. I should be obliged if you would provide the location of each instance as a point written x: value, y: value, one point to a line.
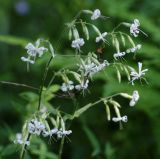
x: 93, y: 140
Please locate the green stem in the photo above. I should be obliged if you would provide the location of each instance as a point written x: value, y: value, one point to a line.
x: 39, y: 103
x: 61, y: 148
x: 43, y: 81
x: 18, y: 84
x: 24, y: 148
x: 117, y: 26
x: 80, y: 111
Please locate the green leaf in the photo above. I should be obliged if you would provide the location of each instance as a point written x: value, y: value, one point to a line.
x: 93, y: 140
x: 29, y: 96
x: 9, y: 150
x: 109, y: 151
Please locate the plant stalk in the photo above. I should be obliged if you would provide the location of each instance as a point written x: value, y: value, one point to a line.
x: 43, y: 81
x: 61, y: 148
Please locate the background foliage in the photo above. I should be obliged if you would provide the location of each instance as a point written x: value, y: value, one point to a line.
x: 93, y: 136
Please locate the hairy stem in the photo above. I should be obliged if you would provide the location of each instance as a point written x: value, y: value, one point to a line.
x: 61, y: 148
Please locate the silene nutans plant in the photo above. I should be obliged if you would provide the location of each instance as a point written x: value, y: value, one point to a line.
x: 47, y: 122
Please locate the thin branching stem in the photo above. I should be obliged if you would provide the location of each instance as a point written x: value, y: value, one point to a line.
x: 18, y: 85
x: 43, y: 81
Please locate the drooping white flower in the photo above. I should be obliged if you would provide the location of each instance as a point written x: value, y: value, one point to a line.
x: 117, y: 119
x: 62, y: 133
x: 83, y: 85
x: 135, y: 98
x: 96, y: 14
x: 101, y: 37
x: 118, y: 55
x: 68, y: 86
x: 78, y: 43
x: 20, y: 140
x: 134, y: 49
x: 135, y: 75
x: 134, y: 28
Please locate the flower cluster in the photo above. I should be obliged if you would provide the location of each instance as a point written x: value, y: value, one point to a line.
x: 90, y: 68
x: 35, y: 127
x: 69, y: 86
x: 33, y: 52
x: 134, y: 30
x: 137, y: 75
x: 19, y: 140
x: 87, y: 68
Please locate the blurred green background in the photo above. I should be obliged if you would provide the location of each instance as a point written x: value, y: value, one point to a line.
x: 22, y: 21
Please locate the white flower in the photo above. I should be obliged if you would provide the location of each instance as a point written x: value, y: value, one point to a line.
x: 118, y: 55
x: 101, y: 37
x: 62, y: 133
x: 19, y: 140
x: 35, y: 127
x: 137, y: 75
x: 135, y: 98
x: 83, y: 85
x: 134, y: 30
x: 27, y: 60
x: 96, y: 14
x: 117, y: 119
x: 67, y: 86
x: 49, y: 133
x: 99, y: 67
x: 77, y: 43
x: 35, y: 50
x: 134, y: 49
